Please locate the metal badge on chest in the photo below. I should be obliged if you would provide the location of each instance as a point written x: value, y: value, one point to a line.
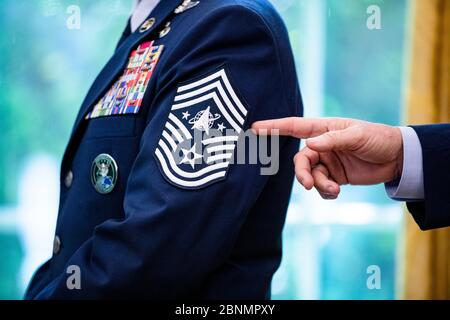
x: 164, y: 32
x: 104, y: 170
x: 186, y: 5
x: 147, y: 25
x: 104, y: 173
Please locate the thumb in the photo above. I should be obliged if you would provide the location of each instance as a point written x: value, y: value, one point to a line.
x: 346, y: 139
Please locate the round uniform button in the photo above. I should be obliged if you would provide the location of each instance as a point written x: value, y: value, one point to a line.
x: 68, y: 179
x: 56, y: 245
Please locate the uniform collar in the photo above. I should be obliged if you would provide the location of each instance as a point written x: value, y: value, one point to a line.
x: 142, y: 9
x: 118, y: 61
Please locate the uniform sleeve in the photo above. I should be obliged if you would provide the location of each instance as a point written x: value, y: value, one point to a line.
x: 174, y: 235
x: 433, y: 211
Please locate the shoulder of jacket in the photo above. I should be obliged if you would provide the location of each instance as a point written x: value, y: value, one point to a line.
x: 261, y: 11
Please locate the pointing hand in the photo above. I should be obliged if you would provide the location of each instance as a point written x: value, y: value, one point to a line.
x: 341, y: 151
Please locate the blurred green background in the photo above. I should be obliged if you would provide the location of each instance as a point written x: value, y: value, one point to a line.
x: 345, y: 69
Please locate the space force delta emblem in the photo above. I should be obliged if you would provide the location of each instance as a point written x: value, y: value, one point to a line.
x: 201, y: 132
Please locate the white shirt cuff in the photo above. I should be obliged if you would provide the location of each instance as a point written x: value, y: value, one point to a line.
x: 410, y: 187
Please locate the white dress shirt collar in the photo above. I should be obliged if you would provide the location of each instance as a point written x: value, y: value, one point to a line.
x: 142, y: 9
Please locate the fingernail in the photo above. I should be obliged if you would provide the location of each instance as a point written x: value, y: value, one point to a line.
x: 329, y: 196
x: 331, y: 190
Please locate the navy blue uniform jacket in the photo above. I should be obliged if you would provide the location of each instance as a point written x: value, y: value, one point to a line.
x: 166, y: 230
x: 434, y: 211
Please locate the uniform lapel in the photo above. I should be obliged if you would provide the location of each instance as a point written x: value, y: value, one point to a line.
x: 125, y: 34
x: 118, y: 61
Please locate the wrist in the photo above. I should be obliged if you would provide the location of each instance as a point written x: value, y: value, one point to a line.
x: 400, y: 157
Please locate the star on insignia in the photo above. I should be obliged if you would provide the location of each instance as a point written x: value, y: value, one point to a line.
x: 198, y: 107
x: 186, y: 115
x: 221, y: 127
x: 190, y: 156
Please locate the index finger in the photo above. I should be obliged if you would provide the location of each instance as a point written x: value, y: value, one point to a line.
x: 294, y: 126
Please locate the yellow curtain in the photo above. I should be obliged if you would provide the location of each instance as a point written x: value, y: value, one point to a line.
x: 427, y: 254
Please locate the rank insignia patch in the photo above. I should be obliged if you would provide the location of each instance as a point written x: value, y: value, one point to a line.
x: 126, y: 95
x: 200, y: 136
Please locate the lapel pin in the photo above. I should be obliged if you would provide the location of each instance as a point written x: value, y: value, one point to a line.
x: 147, y: 25
x: 164, y: 32
x: 186, y: 5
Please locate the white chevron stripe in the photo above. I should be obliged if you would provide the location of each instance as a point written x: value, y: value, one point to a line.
x: 170, y: 140
x: 188, y: 184
x: 220, y: 139
x: 225, y: 147
x: 200, y: 82
x: 180, y: 125
x: 219, y: 149
x: 184, y: 174
x: 174, y: 132
x: 229, y: 104
x: 218, y: 157
x: 197, y: 92
x: 216, y: 85
x: 220, y: 74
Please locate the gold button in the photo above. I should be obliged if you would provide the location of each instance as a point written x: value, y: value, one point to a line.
x: 147, y: 25
x: 56, y: 245
x: 68, y: 179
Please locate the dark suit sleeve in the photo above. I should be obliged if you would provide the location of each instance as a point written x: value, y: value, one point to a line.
x: 434, y: 211
x: 171, y: 238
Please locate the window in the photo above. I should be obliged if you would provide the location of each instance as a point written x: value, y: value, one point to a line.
x: 345, y: 70
x: 48, y: 61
